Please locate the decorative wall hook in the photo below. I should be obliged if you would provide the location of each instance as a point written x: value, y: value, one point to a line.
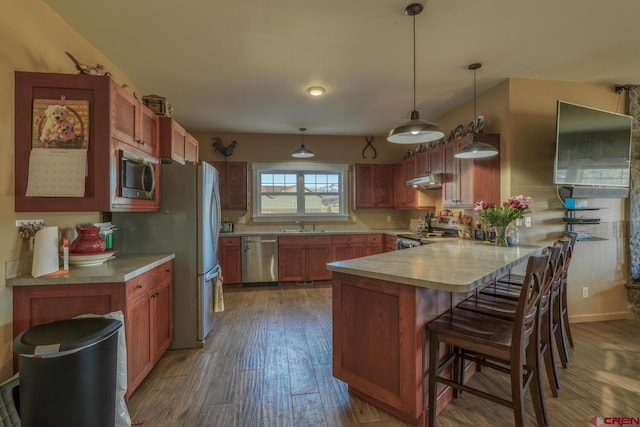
x: 220, y: 147
x: 369, y: 140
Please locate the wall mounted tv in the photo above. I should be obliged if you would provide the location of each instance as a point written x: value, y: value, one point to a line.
x: 593, y: 147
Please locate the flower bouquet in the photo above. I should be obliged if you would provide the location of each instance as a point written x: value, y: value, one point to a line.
x: 501, y: 216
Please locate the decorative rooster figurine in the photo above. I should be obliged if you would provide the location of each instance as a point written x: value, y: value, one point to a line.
x: 219, y: 146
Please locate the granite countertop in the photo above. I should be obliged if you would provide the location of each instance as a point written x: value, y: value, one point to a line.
x: 119, y: 269
x: 452, y: 265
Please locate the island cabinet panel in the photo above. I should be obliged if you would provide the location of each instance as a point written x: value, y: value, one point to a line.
x: 146, y: 302
x: 231, y: 259
x: 232, y: 179
x: 380, y: 343
x: 372, y: 186
x: 303, y: 258
x: 115, y: 121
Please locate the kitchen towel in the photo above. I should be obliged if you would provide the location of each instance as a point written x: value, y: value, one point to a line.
x: 45, y: 252
x: 218, y: 305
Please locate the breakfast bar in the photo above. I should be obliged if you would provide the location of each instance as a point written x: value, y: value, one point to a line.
x: 381, y: 305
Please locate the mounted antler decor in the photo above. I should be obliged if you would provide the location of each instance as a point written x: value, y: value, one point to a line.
x: 98, y: 70
x: 219, y: 147
x: 369, y: 140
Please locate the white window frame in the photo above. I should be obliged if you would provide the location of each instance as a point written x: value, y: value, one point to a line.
x: 341, y: 169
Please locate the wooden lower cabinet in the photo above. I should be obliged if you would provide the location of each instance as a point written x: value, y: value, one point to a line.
x: 231, y: 259
x: 146, y: 301
x: 390, y: 243
x: 374, y: 244
x: 303, y: 258
x: 349, y: 246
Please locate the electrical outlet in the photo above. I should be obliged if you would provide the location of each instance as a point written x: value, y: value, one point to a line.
x: 388, y: 218
x: 585, y: 292
x: 527, y: 221
x: 241, y: 220
x: 27, y: 222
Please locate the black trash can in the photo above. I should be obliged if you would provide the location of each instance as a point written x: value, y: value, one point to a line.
x: 68, y: 373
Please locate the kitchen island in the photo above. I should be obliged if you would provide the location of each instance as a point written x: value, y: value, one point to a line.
x: 381, y: 305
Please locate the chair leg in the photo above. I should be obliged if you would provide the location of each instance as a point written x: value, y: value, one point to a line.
x: 567, y: 328
x: 559, y: 332
x: 517, y: 397
x: 458, y: 373
x: 549, y: 358
x: 535, y: 387
x: 433, y: 372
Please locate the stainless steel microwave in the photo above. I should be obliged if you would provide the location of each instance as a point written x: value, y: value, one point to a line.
x: 137, y: 177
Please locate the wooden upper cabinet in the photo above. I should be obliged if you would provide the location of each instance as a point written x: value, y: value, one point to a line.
x: 405, y: 197
x: 423, y: 164
x: 133, y: 122
x: 176, y: 143
x: 436, y: 160
x: 372, y: 186
x: 113, y: 122
x: 232, y: 179
x: 191, y: 149
x: 468, y: 181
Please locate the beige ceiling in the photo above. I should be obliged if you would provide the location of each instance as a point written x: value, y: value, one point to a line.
x: 244, y: 66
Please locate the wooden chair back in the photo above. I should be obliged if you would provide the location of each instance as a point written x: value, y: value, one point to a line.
x: 525, y: 319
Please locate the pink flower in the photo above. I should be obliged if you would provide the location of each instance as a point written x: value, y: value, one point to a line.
x: 482, y: 205
x: 519, y: 202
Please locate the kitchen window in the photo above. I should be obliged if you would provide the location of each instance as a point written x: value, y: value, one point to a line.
x: 303, y: 192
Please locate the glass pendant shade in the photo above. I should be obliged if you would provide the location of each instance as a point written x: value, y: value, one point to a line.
x: 415, y: 131
x: 476, y: 150
x: 302, y: 152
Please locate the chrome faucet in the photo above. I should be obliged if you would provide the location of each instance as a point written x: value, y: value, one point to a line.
x: 301, y: 224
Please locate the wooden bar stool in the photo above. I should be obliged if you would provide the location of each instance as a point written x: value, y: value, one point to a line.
x: 505, y: 308
x: 507, y: 286
x: 508, y: 346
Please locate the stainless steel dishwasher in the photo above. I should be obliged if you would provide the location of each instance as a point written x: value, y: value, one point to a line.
x: 259, y: 259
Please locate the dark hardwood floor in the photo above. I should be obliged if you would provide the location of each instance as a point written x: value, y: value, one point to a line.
x: 268, y: 363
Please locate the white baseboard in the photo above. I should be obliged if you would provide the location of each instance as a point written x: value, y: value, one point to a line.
x: 583, y: 318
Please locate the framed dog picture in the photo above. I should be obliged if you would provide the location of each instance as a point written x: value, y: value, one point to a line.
x: 60, y: 124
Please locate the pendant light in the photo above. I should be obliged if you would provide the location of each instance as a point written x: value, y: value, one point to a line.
x: 302, y: 152
x: 477, y: 149
x: 415, y: 131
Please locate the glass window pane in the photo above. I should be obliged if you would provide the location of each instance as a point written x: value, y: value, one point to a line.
x: 280, y: 204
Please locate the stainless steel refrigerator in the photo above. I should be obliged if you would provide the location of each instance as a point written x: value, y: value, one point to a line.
x: 188, y: 225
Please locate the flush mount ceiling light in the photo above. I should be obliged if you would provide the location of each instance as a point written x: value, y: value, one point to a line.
x: 302, y: 152
x: 315, y: 90
x: 415, y: 131
x: 477, y: 149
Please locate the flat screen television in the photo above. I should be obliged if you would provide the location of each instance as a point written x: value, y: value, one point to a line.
x: 593, y: 147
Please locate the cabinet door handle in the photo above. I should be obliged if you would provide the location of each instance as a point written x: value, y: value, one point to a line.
x: 168, y: 270
x: 139, y: 286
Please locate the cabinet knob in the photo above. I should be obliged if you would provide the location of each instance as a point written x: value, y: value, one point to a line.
x: 168, y: 270
x: 138, y: 286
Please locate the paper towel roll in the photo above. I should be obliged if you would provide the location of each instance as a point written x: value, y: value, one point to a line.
x: 45, y: 252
